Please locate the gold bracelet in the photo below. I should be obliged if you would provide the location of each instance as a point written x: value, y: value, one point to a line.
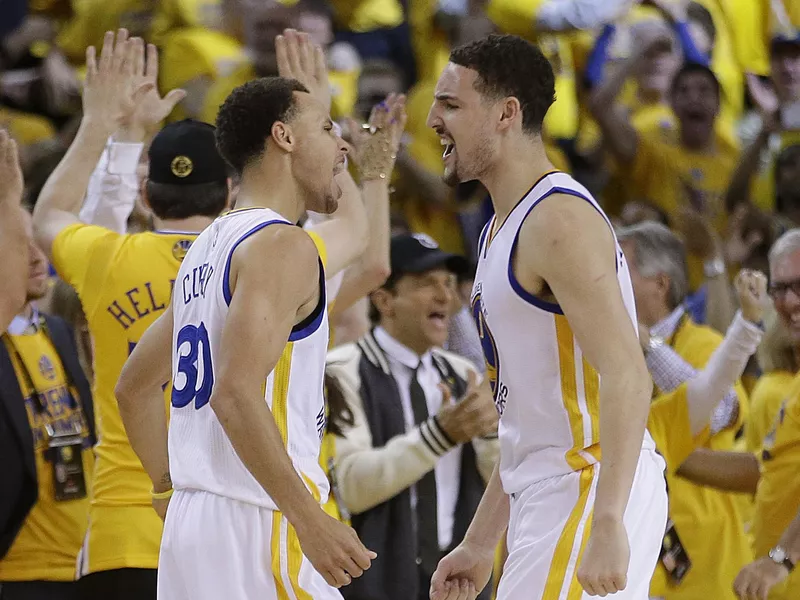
x: 161, y: 495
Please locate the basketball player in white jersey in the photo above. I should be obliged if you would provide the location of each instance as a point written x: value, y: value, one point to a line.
x: 554, y: 305
x: 247, y: 334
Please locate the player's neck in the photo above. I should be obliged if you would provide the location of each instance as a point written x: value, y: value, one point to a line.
x: 195, y: 224
x: 513, y: 175
x: 271, y: 189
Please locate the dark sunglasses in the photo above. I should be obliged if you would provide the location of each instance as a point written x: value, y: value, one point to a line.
x: 777, y: 290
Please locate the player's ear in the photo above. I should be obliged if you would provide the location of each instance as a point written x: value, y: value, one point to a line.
x: 283, y: 136
x: 143, y: 192
x: 511, y: 111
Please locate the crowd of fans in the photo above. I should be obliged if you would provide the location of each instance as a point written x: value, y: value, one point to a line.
x: 681, y: 116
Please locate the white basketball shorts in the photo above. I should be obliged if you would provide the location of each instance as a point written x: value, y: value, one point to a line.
x: 216, y: 548
x: 549, y: 527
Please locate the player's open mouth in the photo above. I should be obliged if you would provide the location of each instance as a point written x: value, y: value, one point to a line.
x: 448, y: 147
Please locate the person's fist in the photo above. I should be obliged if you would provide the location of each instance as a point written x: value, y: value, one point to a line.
x: 751, y: 289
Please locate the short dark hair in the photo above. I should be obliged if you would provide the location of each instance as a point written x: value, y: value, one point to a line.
x: 690, y: 68
x: 507, y: 65
x: 246, y: 117
x: 170, y: 201
x: 701, y: 15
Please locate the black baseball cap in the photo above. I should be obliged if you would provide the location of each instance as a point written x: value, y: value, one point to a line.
x: 417, y: 253
x: 185, y: 153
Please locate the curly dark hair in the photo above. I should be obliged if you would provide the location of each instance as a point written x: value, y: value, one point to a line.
x: 246, y: 117
x: 507, y: 65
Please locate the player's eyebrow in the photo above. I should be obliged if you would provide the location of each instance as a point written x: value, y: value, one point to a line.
x: 444, y: 96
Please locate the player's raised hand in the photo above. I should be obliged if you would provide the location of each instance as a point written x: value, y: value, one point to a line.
x: 604, y: 567
x: 751, y: 289
x: 10, y: 173
x: 111, y: 92
x: 334, y: 549
x: 472, y: 416
x: 301, y: 59
x: 463, y: 573
x: 376, y: 143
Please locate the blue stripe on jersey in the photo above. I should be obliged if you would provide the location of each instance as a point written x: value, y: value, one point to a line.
x: 226, y: 278
x: 312, y: 322
x: 550, y: 307
x: 482, y: 237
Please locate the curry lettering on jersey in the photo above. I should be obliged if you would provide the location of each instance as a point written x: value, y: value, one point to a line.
x: 138, y: 302
x: 195, y: 284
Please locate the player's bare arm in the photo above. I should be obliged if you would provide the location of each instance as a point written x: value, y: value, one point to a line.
x: 13, y: 240
x: 566, y: 243
x: 118, y: 96
x: 269, y: 298
x: 140, y: 397
x: 473, y: 559
x: 374, y: 152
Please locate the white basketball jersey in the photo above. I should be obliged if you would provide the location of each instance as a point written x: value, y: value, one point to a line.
x: 545, y: 391
x: 200, y: 454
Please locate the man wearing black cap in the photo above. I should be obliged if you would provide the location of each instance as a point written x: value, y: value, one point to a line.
x: 412, y: 465
x: 125, y: 283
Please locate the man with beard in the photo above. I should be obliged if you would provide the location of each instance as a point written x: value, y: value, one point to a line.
x: 554, y: 305
x: 46, y: 434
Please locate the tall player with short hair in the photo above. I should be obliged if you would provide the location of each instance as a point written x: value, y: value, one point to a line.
x: 247, y: 335
x: 554, y: 305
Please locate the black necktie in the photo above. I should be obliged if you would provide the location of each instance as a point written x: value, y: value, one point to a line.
x: 427, y: 530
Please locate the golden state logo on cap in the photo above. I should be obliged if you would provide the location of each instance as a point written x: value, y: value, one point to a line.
x: 182, y: 166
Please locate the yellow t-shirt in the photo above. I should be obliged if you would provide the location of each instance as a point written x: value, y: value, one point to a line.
x: 778, y: 496
x: 709, y: 523
x: 92, y: 18
x: 367, y: 15
x: 26, y: 128
x: 672, y: 177
x: 765, y: 403
x: 125, y: 283
x: 344, y: 85
x: 193, y: 58
x: 48, y: 543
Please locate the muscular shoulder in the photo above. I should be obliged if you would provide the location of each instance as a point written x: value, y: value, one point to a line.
x: 284, y: 245
x: 563, y: 228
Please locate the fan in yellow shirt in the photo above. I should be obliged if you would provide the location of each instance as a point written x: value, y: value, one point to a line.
x: 124, y: 283
x: 688, y: 169
x: 261, y: 23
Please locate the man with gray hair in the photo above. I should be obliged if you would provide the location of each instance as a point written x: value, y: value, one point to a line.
x: 686, y: 358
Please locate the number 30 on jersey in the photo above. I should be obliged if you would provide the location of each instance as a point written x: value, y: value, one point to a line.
x: 194, y: 375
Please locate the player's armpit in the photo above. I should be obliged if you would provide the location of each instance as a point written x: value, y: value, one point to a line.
x: 141, y: 399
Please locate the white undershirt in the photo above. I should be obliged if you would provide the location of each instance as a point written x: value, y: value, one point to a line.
x: 402, y: 362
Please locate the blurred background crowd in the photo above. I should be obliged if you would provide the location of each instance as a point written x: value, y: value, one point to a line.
x: 681, y: 116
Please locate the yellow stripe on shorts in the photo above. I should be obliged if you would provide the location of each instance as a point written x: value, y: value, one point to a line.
x: 560, y: 565
x: 275, y: 547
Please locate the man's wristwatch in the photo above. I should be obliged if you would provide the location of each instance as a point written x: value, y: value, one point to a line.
x: 713, y: 268
x: 779, y: 556
x: 655, y: 342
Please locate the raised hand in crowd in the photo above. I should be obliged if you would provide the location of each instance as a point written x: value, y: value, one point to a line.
x: 741, y: 240
x: 698, y: 234
x: 13, y: 240
x: 299, y: 58
x: 751, y: 289
x: 766, y: 102
x: 472, y: 416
